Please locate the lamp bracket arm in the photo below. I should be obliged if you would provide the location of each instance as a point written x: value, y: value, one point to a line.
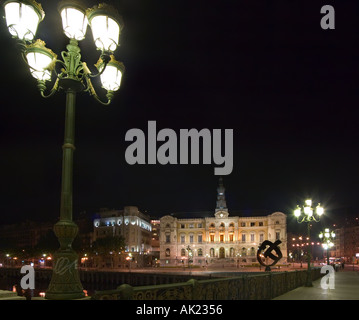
x: 41, y: 85
x: 105, y: 58
x: 90, y: 88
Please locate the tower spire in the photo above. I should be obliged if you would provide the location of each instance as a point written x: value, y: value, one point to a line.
x: 221, y: 198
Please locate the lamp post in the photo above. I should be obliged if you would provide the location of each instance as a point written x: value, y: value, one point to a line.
x: 327, y: 240
x: 22, y: 19
x: 190, y: 257
x: 308, y: 215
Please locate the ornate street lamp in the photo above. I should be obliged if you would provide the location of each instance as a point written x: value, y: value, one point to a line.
x: 190, y: 257
x: 327, y: 240
x: 22, y: 19
x: 308, y: 215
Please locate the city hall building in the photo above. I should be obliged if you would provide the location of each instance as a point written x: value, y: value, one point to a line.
x: 205, y: 240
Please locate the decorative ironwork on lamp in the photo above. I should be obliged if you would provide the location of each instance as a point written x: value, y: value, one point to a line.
x: 72, y: 76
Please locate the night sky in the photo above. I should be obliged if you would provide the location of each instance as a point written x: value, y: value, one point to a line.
x: 266, y: 69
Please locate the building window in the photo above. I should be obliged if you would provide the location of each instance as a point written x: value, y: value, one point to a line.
x: 191, y: 225
x: 244, y: 252
x: 252, y: 237
x: 253, y: 252
x: 231, y: 237
x: 183, y: 239
x: 183, y: 252
x: 200, y: 252
x: 168, y: 252
x: 182, y: 226
x: 253, y: 224
x: 199, y: 238
x: 277, y: 235
x: 261, y: 237
x: 243, y: 237
x: 221, y: 237
x: 212, y: 237
x: 277, y: 222
x: 200, y: 225
x: 191, y: 238
x: 211, y: 252
x: 168, y: 238
x: 260, y: 223
x: 243, y: 224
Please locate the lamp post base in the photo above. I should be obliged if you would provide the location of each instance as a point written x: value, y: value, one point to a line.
x: 65, y: 283
x: 309, y: 279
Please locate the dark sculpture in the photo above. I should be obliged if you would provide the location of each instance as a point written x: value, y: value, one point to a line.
x: 267, y: 253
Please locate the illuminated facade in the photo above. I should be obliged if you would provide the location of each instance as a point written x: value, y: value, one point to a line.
x: 129, y: 223
x: 220, y: 238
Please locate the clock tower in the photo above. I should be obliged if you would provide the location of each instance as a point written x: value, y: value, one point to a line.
x: 221, y: 207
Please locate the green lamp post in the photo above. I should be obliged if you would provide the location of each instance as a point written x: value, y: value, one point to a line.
x: 22, y: 19
x: 327, y: 238
x: 308, y: 215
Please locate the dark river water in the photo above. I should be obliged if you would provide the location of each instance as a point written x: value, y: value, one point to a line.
x: 41, y: 286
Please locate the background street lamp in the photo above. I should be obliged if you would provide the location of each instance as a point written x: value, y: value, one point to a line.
x: 22, y: 20
x: 308, y: 215
x: 327, y: 238
x: 190, y: 257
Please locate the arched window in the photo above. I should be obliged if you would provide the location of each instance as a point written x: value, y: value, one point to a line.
x: 243, y: 237
x: 231, y: 225
x: 244, y: 252
x: 200, y: 252
x: 252, y: 237
x: 168, y: 252
x: 261, y: 237
x: 253, y: 251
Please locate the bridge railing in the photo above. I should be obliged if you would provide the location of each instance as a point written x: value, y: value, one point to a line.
x: 245, y: 287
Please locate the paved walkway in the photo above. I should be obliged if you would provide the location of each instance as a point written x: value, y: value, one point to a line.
x: 346, y: 287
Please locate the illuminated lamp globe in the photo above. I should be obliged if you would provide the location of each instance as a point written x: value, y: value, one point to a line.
x: 112, y: 75
x: 319, y: 210
x: 74, y: 19
x: 297, y: 211
x: 106, y: 25
x: 308, y: 211
x: 23, y: 18
x: 39, y: 59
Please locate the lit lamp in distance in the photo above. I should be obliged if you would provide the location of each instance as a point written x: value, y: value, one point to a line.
x: 307, y: 214
x: 327, y: 238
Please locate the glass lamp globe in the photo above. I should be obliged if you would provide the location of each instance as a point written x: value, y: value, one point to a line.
x: 297, y: 211
x: 74, y: 19
x: 308, y: 211
x: 23, y: 18
x: 319, y: 210
x: 112, y: 75
x: 39, y: 58
x: 106, y: 25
